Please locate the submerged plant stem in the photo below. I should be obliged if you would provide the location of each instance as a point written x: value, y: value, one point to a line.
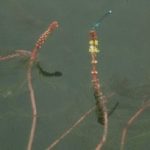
x: 130, y: 122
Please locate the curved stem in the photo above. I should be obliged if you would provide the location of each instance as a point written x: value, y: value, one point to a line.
x: 130, y: 121
x: 17, y: 53
x: 33, y: 104
x: 32, y: 95
x: 105, y: 131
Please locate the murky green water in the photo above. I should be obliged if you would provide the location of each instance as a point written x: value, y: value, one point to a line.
x: 123, y: 67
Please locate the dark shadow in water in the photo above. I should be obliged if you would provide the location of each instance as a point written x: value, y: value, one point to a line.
x: 125, y: 88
